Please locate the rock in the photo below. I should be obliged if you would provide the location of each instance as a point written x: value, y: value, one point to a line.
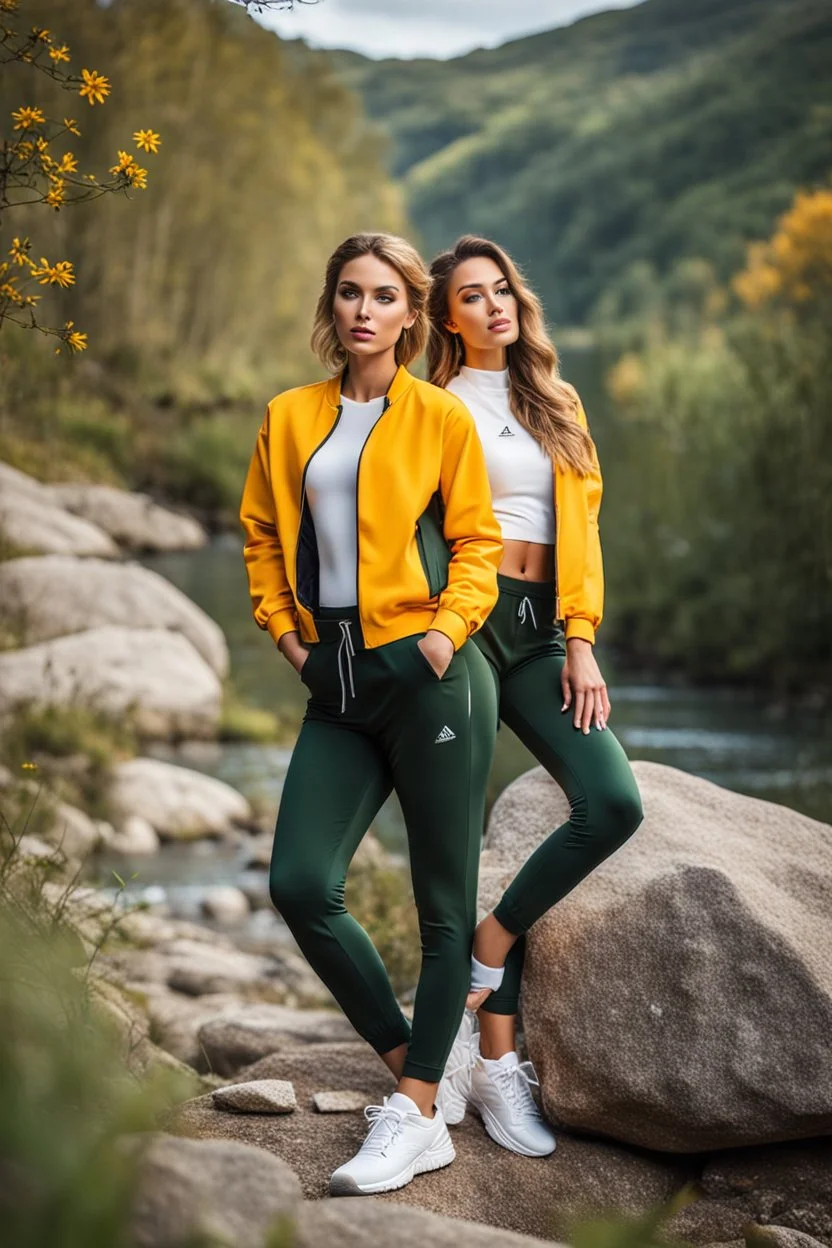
x: 95, y: 594
x: 787, y: 1184
x: 132, y: 520
x: 175, y: 1019
x: 31, y: 521
x: 212, y: 1189
x: 134, y: 838
x: 33, y: 847
x: 779, y: 1237
x: 338, y: 1102
x: 73, y: 832
x: 485, y: 1184
x: 383, y: 1220
x: 225, y: 904
x: 258, y: 1096
x: 153, y: 674
x: 114, y: 1008
x: 681, y: 997
x: 252, y: 1031
x: 179, y: 803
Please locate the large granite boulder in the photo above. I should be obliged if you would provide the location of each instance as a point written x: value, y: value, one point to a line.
x: 193, y: 1191
x: 485, y: 1184
x: 31, y: 521
x: 246, y: 1033
x: 154, y: 675
x: 56, y: 595
x: 681, y: 997
x: 382, y: 1220
x: 181, y: 804
x: 135, y: 521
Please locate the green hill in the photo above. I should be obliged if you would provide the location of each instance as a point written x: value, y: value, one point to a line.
x: 645, y: 134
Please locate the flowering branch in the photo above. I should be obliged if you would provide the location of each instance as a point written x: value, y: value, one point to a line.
x: 31, y: 172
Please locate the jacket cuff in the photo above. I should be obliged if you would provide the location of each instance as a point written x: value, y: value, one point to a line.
x: 452, y: 625
x: 280, y: 623
x: 577, y: 627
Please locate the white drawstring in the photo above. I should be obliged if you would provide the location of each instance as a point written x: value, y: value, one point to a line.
x: 345, y: 648
x: 526, y: 606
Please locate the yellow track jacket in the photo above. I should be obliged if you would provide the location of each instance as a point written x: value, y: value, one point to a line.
x: 579, y: 568
x: 428, y: 543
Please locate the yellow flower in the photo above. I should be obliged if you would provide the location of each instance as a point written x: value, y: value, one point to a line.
x: 18, y: 251
x: 8, y: 6
x: 138, y: 177
x: 72, y: 126
x: 28, y: 766
x: 55, y: 198
x: 68, y: 163
x: 73, y: 339
x: 125, y: 163
x: 23, y: 150
x: 147, y: 140
x: 43, y: 35
x: 59, y: 274
x: 8, y: 291
x: 26, y: 118
x: 59, y: 54
x: 96, y: 87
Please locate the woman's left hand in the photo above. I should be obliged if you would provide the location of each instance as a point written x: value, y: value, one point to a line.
x: 584, y: 686
x: 437, y: 649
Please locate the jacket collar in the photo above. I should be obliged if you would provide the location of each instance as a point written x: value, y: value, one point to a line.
x: 400, y: 384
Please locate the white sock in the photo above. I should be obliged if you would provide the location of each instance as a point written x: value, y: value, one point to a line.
x: 399, y: 1101
x: 506, y: 1061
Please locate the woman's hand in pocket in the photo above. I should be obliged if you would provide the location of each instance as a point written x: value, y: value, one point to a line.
x: 437, y: 649
x: 293, y: 649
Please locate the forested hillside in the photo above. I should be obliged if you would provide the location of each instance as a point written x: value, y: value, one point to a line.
x: 648, y: 134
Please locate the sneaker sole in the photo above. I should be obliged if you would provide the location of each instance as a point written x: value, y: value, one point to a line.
x: 500, y: 1136
x: 434, y: 1158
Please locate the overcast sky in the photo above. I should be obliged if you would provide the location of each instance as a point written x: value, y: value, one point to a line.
x: 438, y: 28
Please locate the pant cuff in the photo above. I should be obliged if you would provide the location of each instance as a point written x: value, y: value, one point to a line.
x: 504, y: 915
x: 499, y: 1007
x: 416, y: 1070
x: 391, y: 1040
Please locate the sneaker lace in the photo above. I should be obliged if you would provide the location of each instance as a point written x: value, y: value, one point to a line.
x: 466, y: 1055
x: 386, y: 1123
x: 515, y: 1084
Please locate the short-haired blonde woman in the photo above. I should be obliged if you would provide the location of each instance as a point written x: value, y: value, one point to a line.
x: 488, y: 346
x: 372, y: 555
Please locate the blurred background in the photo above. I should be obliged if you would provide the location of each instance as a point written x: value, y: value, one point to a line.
x: 661, y: 171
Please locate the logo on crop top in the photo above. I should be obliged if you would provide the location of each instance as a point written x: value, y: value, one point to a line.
x: 506, y: 433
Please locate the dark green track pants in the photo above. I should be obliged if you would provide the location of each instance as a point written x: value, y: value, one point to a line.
x: 378, y: 719
x: 526, y: 653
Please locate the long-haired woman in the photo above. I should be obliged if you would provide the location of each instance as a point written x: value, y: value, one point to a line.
x: 489, y: 347
x: 372, y: 554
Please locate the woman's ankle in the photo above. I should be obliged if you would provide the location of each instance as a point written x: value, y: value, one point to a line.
x: 492, y: 943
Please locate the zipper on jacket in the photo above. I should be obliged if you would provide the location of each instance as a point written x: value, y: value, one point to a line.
x: 357, y: 518
x: 304, y: 503
x: 557, y: 542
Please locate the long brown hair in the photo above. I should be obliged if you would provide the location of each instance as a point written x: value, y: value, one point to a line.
x: 407, y: 262
x: 544, y: 404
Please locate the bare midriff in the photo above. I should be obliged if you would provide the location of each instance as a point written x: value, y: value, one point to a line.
x: 528, y: 561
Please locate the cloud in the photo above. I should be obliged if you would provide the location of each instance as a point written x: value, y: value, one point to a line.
x: 439, y: 28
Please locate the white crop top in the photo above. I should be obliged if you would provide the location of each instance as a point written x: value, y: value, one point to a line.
x: 520, y: 472
x: 330, y: 487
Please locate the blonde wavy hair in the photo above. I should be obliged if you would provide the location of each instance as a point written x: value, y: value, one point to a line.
x: 410, y: 266
x: 544, y: 404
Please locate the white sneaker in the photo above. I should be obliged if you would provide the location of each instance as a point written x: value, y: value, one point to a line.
x: 502, y: 1095
x: 401, y: 1142
x: 455, y: 1084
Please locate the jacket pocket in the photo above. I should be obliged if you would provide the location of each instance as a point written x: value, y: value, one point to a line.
x: 433, y: 549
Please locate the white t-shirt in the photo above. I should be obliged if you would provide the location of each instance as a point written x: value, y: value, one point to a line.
x: 519, y: 470
x: 331, y: 489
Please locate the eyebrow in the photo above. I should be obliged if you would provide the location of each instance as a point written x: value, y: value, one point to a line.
x: 479, y: 285
x: 346, y: 282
